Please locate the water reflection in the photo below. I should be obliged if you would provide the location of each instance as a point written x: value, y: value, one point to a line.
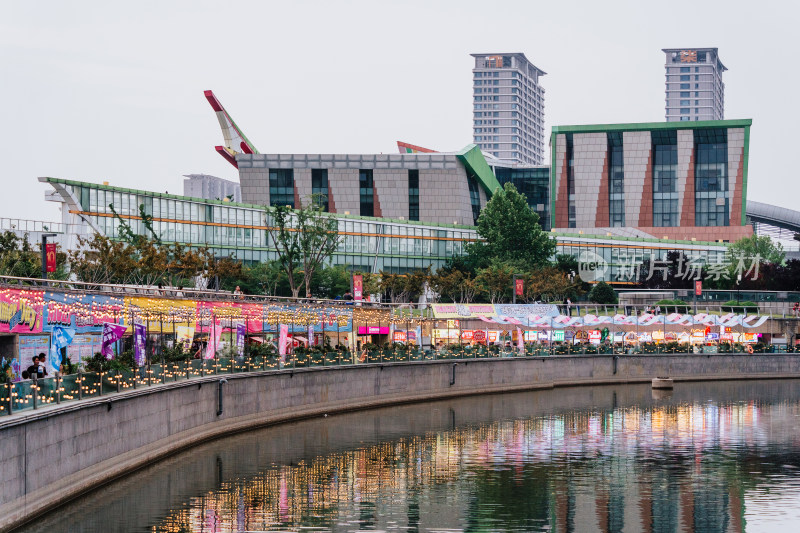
x: 712, y: 457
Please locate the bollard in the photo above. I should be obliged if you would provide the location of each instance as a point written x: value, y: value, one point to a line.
x: 9, y: 386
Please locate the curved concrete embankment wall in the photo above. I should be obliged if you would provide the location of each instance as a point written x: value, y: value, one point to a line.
x: 56, y: 453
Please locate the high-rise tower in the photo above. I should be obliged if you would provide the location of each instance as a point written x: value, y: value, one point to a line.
x: 694, y: 88
x: 508, y: 108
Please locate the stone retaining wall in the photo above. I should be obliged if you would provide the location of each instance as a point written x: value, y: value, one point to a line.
x: 58, y: 452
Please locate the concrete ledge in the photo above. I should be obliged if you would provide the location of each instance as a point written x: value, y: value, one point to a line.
x: 57, y: 453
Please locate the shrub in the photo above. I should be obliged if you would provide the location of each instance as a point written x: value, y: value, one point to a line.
x: 603, y: 293
x: 732, y: 306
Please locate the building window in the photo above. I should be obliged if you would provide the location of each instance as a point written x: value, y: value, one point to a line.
x: 474, y: 197
x: 281, y: 187
x: 685, y: 69
x: 319, y: 187
x: 685, y: 111
x: 711, y: 177
x: 685, y: 85
x: 616, y: 181
x: 413, y: 194
x: 571, y: 214
x: 366, y: 191
x: 685, y: 77
x: 665, y: 166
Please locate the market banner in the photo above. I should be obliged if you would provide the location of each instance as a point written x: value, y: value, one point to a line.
x: 60, y: 337
x: 565, y: 321
x: 161, y: 314
x: 311, y: 335
x: 82, y: 312
x: 139, y: 344
x: 111, y: 334
x: 463, y: 310
x: 283, y: 340
x: 241, y: 332
x: 21, y: 310
x: 230, y: 315
x: 298, y: 318
x: 213, y: 341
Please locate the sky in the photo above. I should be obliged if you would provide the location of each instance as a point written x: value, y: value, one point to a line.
x: 111, y: 91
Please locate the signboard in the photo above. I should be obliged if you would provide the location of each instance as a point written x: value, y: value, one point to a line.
x: 373, y: 330
x: 698, y: 287
x: 558, y: 335
x: 479, y: 336
x: 688, y: 56
x: 462, y: 310
x: 358, y: 287
x: 21, y: 311
x: 453, y: 324
x: 595, y: 336
x: 519, y: 287
x: 50, y: 257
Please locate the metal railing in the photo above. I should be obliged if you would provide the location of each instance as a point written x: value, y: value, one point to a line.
x: 35, y: 394
x: 30, y: 226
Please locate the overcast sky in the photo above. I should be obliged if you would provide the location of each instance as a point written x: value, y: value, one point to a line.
x: 113, y: 91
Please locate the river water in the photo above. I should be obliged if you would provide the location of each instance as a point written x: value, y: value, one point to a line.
x: 706, y: 457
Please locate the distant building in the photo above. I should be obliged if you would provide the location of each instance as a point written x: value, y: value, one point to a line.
x: 508, y: 108
x: 694, y: 88
x: 211, y: 188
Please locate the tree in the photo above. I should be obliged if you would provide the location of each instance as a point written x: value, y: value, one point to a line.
x: 511, y: 232
x: 752, y: 248
x: 548, y: 284
x: 305, y: 239
x: 495, y: 281
x: 603, y: 293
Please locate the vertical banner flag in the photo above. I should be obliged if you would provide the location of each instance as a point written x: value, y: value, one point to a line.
x: 520, y: 341
x: 519, y: 287
x: 50, y: 257
x: 391, y: 333
x: 111, y: 334
x: 241, y: 330
x: 310, y: 335
x: 283, y: 339
x: 419, y: 336
x: 60, y: 338
x: 213, y: 340
x: 698, y: 288
x: 139, y: 343
x: 358, y: 287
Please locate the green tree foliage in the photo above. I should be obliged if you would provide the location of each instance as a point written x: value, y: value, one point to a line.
x: 511, y: 232
x: 603, y: 293
x: 495, y: 281
x: 305, y: 239
x: 757, y: 247
x: 20, y: 259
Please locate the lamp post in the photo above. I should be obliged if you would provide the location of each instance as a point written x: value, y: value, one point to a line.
x: 44, y: 252
x: 738, y: 282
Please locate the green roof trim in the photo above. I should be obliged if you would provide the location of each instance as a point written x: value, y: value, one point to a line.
x: 745, y: 164
x: 473, y: 159
x: 650, y: 126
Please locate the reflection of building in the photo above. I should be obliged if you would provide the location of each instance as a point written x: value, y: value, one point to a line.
x: 694, y: 88
x: 601, y: 470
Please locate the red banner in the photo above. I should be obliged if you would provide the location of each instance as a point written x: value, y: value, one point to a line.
x: 519, y: 287
x: 50, y: 255
x: 358, y: 287
x: 698, y: 288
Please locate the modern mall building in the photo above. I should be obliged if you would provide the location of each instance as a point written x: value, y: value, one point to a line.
x: 616, y: 193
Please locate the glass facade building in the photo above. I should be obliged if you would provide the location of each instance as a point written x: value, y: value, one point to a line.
x: 534, y: 183
x: 370, y: 244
